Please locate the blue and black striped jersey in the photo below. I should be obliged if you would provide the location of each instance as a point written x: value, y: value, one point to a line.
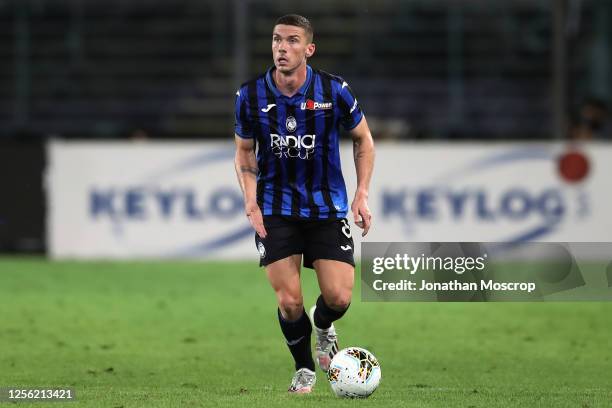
x: 297, y: 143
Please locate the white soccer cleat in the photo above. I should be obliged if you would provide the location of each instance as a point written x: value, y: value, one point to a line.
x: 327, y: 342
x: 303, y: 381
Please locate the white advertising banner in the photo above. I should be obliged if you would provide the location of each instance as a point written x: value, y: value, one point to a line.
x: 181, y: 200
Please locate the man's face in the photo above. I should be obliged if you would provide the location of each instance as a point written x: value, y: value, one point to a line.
x: 290, y: 47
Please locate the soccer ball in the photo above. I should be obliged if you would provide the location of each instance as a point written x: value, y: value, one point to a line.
x: 354, y: 372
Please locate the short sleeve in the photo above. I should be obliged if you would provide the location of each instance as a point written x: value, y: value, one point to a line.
x: 350, y: 110
x: 242, y: 127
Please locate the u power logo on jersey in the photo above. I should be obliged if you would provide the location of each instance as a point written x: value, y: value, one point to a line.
x: 313, y: 105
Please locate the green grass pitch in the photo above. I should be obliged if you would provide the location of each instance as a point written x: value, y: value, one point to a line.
x: 190, y: 334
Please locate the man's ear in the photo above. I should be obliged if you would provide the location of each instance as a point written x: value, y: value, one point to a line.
x: 310, y: 50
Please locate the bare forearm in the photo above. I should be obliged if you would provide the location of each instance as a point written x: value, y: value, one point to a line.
x: 246, y: 169
x: 363, y: 152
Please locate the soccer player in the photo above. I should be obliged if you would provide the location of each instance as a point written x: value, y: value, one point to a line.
x: 288, y: 166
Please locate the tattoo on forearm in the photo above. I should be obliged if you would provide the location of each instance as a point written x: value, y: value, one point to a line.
x: 247, y: 169
x: 357, y: 152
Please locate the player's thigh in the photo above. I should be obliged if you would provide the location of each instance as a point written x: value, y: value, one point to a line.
x: 336, y: 281
x: 284, y: 277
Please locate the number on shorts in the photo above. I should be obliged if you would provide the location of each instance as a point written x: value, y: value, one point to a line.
x: 346, y: 228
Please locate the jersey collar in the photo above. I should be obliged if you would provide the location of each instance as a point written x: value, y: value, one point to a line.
x: 301, y: 91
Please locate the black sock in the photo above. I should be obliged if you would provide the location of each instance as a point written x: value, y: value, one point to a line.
x: 297, y: 333
x: 324, y: 315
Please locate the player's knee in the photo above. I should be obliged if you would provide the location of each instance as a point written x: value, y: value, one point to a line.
x: 339, y: 300
x: 291, y: 306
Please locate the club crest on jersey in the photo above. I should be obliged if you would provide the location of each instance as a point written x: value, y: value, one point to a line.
x: 291, y: 124
x: 313, y: 105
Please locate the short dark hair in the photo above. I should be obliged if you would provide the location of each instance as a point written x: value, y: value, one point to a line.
x: 298, y: 21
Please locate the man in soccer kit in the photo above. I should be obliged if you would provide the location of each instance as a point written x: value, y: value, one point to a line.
x: 288, y: 166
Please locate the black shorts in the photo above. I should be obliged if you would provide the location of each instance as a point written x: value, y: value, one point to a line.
x: 315, y: 239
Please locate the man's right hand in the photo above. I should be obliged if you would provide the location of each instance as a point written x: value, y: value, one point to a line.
x: 255, y: 217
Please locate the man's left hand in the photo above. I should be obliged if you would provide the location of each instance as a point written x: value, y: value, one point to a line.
x: 361, y: 213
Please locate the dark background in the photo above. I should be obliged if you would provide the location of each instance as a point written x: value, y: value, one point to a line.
x: 422, y: 69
